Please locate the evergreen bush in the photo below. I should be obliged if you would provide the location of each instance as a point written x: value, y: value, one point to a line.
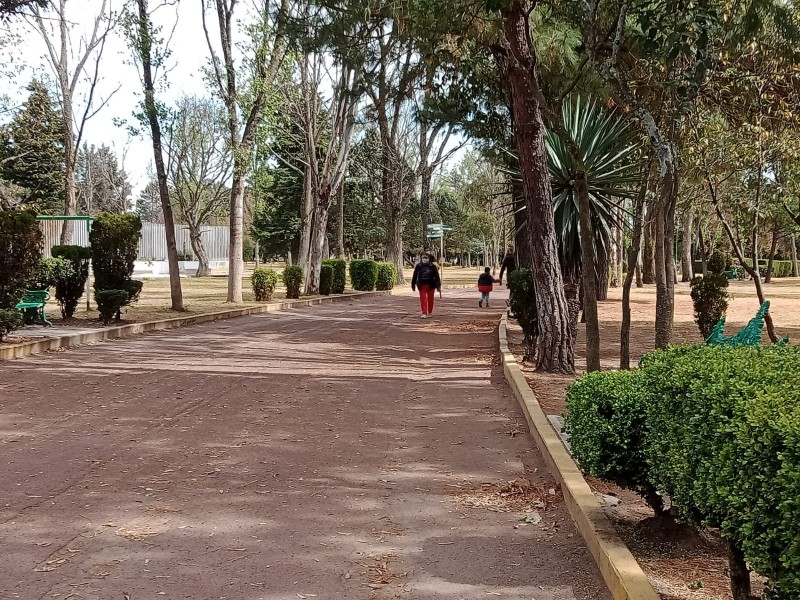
x: 51, y: 271
x: 363, y: 275
x: 339, y: 274
x: 110, y: 302
x: 522, y: 302
x: 264, y: 282
x: 10, y: 321
x: 710, y: 299
x: 70, y: 289
x: 326, y: 274
x: 387, y: 276
x: 20, y: 251
x: 114, y: 242
x: 293, y: 280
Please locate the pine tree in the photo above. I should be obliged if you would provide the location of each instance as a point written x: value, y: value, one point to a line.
x: 32, y: 155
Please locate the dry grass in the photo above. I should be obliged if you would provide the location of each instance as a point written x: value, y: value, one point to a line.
x: 519, y: 495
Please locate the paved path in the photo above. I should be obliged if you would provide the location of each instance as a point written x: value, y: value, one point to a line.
x: 350, y: 450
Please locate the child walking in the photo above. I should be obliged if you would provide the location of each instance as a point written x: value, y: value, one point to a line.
x: 426, y: 278
x: 485, y: 282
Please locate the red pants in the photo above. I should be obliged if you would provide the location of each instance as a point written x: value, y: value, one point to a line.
x: 426, y: 296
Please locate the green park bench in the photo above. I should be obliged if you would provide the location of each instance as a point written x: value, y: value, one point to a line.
x: 32, y: 306
x: 749, y: 336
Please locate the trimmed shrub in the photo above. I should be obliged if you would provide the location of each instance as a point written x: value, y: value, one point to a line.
x: 710, y: 298
x: 293, y: 280
x: 10, y: 321
x: 363, y: 275
x: 522, y: 301
x: 339, y: 274
x: 264, y: 282
x: 607, y: 421
x: 387, y: 276
x: 719, y: 262
x: 325, y: 280
x: 780, y: 268
x: 51, y: 271
x: 70, y: 289
x: 110, y: 302
x: 20, y: 251
x: 115, y: 241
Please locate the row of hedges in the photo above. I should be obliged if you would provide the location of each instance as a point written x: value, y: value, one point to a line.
x: 20, y: 251
x: 114, y: 241
x: 718, y: 430
x: 366, y: 275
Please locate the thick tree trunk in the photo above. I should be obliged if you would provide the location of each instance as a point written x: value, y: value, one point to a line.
x: 633, y: 259
x: 687, y: 227
x: 394, y: 240
x: 522, y: 245
x: 145, y: 40
x: 648, y: 257
x: 554, y: 345
x: 602, y: 269
x: 793, y: 251
x: 590, y: 284
x: 199, y: 249
x: 772, y: 249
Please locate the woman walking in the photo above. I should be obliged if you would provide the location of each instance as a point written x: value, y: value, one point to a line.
x: 426, y: 278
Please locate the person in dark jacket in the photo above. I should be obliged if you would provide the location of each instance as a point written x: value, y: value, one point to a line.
x: 426, y: 278
x: 485, y: 286
x: 509, y: 263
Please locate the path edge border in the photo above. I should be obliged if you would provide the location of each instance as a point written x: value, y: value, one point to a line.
x: 624, y: 576
x: 132, y: 329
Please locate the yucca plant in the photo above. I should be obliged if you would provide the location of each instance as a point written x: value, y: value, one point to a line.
x: 609, y: 148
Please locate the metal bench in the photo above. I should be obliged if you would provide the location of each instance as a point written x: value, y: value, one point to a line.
x: 32, y: 306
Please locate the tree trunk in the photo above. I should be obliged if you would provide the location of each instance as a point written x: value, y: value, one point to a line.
x: 773, y: 247
x: 740, y: 575
x: 145, y: 41
x: 648, y: 258
x: 425, y: 201
x: 633, y: 259
x: 306, y: 221
x: 793, y: 251
x: 664, y: 263
x: 687, y: 227
x: 555, y: 351
x: 199, y: 249
x: 340, y: 225
x: 318, y: 239
x: 522, y: 246
x: 602, y: 269
x: 703, y: 255
x: 257, y: 252
x: 70, y: 158
x: 236, y: 244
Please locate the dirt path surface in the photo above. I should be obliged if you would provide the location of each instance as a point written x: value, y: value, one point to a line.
x: 346, y: 451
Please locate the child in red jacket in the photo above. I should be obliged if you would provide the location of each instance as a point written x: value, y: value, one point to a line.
x: 485, y: 282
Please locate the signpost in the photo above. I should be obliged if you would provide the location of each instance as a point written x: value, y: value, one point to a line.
x: 436, y: 231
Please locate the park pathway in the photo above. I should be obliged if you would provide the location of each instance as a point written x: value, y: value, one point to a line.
x: 350, y: 450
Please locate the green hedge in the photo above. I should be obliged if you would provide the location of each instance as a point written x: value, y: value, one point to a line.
x: 10, y: 321
x: 264, y: 282
x: 70, y: 289
x: 387, y: 276
x: 363, y: 275
x: 721, y: 437
x: 607, y: 422
x: 522, y: 301
x: 20, y: 251
x: 114, y: 243
x: 339, y: 274
x: 293, y: 280
x: 51, y: 271
x: 326, y: 280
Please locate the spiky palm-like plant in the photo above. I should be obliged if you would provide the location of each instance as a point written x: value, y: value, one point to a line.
x: 609, y: 149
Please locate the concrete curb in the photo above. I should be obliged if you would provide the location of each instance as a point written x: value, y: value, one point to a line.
x: 126, y: 331
x: 622, y: 574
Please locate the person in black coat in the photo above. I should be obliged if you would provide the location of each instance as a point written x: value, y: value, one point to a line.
x: 509, y: 264
x: 426, y: 279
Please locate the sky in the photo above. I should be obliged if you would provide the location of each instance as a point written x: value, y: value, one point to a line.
x: 119, y: 83
x: 185, y: 77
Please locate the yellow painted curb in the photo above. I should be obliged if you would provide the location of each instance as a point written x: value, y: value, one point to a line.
x: 125, y: 331
x: 622, y: 574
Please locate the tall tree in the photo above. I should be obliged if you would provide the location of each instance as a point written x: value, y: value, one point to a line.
x: 32, y: 154
x: 102, y: 184
x: 76, y: 107
x: 151, y: 54
x: 148, y: 203
x: 199, y: 167
x: 245, y: 102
